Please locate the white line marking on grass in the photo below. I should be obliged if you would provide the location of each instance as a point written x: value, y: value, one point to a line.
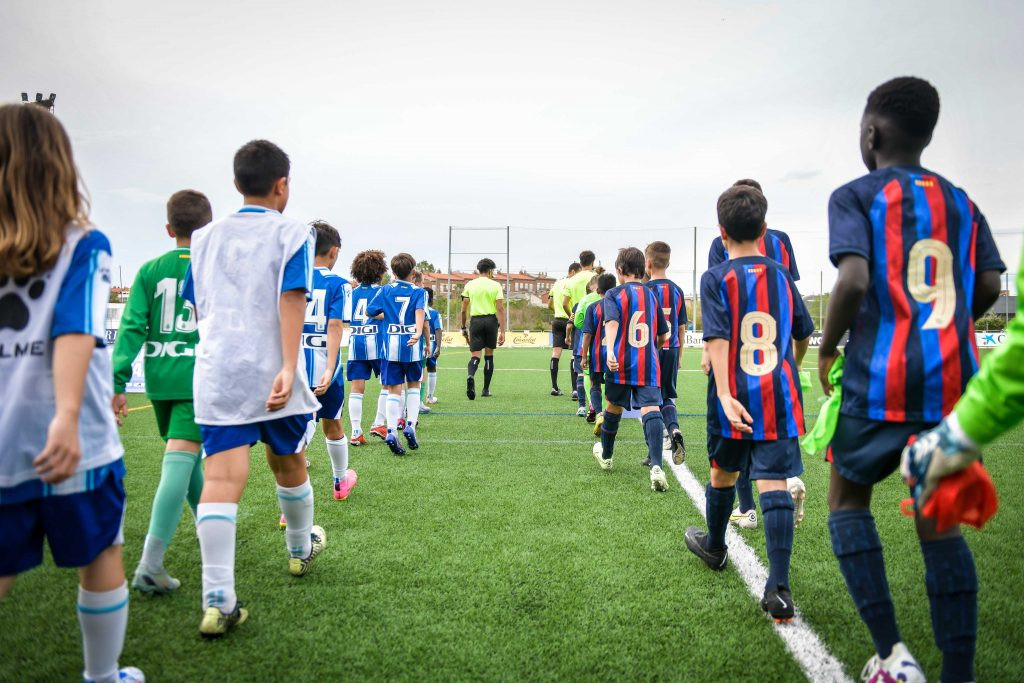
x: 810, y: 653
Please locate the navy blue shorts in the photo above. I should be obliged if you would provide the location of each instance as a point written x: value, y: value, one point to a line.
x: 284, y: 436
x: 431, y: 364
x: 78, y: 527
x: 669, y: 361
x: 867, y: 451
x: 627, y: 396
x: 765, y: 459
x: 393, y: 373
x: 332, y: 403
x: 362, y: 369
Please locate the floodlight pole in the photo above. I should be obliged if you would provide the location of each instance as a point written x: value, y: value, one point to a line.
x: 695, y: 280
x: 448, y: 309
x: 508, y: 274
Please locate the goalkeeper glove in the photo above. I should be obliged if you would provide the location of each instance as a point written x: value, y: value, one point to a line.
x: 935, y: 454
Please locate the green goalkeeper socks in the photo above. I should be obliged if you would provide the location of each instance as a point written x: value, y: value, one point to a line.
x: 181, y: 477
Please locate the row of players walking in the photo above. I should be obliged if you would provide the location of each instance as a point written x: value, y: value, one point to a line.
x: 916, y: 262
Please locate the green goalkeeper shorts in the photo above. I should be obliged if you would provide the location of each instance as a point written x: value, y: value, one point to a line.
x: 176, y: 420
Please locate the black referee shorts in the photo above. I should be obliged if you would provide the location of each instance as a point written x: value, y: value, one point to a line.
x: 483, y: 332
x: 558, y: 326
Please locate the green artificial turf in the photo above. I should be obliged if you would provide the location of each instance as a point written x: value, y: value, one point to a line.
x: 500, y: 551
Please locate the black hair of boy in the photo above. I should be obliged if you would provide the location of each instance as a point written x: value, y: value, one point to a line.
x: 749, y: 182
x: 605, y: 281
x: 631, y: 262
x: 430, y: 296
x: 575, y: 267
x: 326, y: 237
x: 741, y: 211
x: 187, y: 211
x: 587, y: 259
x: 369, y: 267
x: 909, y: 103
x: 402, y: 265
x: 485, y: 265
x: 258, y: 165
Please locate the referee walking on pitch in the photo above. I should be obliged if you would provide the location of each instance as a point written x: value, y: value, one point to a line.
x: 483, y: 299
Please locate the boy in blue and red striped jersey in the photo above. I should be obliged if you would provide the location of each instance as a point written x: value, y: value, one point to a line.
x: 673, y: 304
x: 634, y: 330
x: 777, y: 246
x: 916, y: 262
x: 757, y: 328
x: 593, y: 359
x: 364, y: 344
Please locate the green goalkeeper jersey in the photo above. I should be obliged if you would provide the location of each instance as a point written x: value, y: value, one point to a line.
x: 158, y: 319
x: 994, y: 399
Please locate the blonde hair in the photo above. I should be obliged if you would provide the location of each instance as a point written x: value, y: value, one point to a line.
x: 39, y: 190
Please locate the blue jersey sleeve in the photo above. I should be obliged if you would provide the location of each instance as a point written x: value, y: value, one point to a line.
x: 435, y: 321
x: 376, y: 305
x: 421, y: 300
x: 188, y: 287
x: 717, y: 253
x: 986, y: 255
x: 610, y: 307
x: 298, y: 271
x: 85, y: 292
x: 713, y: 309
x: 803, y: 325
x: 338, y: 300
x: 849, y: 226
x: 588, y: 318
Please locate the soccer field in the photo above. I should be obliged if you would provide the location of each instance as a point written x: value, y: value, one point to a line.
x: 499, y: 550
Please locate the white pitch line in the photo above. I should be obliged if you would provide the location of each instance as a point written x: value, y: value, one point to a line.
x: 810, y: 653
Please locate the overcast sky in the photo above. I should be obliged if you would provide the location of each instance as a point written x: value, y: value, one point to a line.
x: 402, y: 118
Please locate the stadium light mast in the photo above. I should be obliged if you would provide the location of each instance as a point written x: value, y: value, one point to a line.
x: 46, y: 104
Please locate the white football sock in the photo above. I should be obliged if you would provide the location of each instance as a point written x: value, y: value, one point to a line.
x: 297, y: 507
x: 355, y: 413
x: 405, y: 401
x: 153, y: 554
x: 338, y: 450
x: 215, y: 527
x: 431, y: 384
x: 394, y: 411
x: 382, y: 402
x: 103, y: 618
x: 414, y: 405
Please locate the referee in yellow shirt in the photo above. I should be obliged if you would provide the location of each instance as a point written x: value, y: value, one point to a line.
x: 556, y: 300
x: 484, y: 301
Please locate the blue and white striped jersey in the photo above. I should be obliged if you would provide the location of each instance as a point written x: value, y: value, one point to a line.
x: 330, y: 299
x: 399, y: 301
x: 364, y: 342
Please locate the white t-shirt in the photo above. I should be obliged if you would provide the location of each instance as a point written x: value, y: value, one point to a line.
x: 240, y: 266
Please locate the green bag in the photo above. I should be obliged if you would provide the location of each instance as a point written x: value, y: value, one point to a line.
x: 818, y: 439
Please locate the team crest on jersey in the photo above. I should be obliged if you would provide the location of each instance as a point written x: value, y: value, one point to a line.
x: 14, y: 305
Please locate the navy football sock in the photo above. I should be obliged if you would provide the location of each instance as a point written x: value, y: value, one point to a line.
x: 474, y: 363
x: 572, y: 375
x: 744, y: 490
x: 670, y: 416
x: 777, y: 508
x: 581, y: 391
x: 554, y: 373
x: 488, y: 371
x: 856, y: 545
x: 718, y: 508
x: 595, y: 397
x: 952, y: 584
x: 609, y: 428
x: 653, y: 427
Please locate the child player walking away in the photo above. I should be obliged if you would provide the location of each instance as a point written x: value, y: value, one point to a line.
x: 673, y: 304
x: 250, y: 277
x: 753, y: 314
x: 365, y: 344
x: 61, y: 466
x: 163, y: 323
